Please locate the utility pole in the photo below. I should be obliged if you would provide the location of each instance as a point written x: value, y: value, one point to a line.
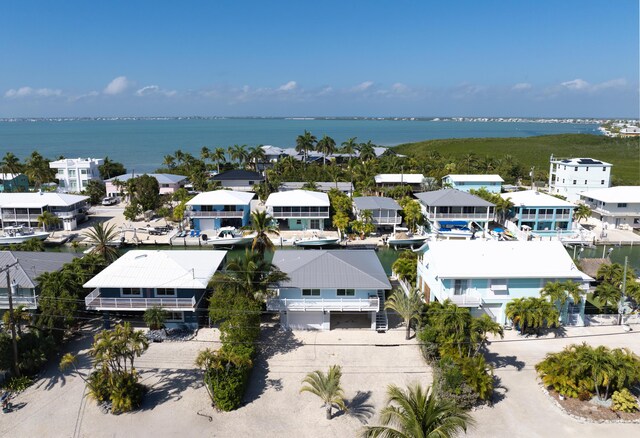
x: 624, y: 287
x: 14, y: 342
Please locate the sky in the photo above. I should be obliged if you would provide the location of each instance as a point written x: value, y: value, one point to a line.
x: 543, y: 58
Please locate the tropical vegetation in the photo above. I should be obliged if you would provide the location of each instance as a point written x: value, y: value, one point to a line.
x: 155, y: 317
x: 100, y: 237
x: 530, y: 315
x: 326, y: 386
x: 262, y: 224
x: 408, y: 307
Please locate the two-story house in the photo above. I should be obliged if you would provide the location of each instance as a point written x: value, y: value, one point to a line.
x: 238, y: 179
x: 569, y: 177
x: 466, y: 183
x: 539, y: 212
x: 390, y: 180
x: 74, y: 174
x: 385, y: 212
x: 167, y: 183
x: 455, y: 214
x: 615, y: 206
x: 176, y: 281
x: 10, y: 182
x: 219, y: 208
x: 27, y: 267
x: 299, y: 209
x: 24, y: 209
x: 485, y: 275
x: 325, y: 286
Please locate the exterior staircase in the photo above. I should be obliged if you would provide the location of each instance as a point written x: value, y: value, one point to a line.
x: 382, y: 322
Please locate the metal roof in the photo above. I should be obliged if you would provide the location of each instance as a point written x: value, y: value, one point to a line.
x: 399, y: 178
x: 580, y: 162
x: 375, y: 203
x: 149, y: 269
x: 33, y: 264
x: 533, y: 198
x: 222, y: 197
x: 474, y: 178
x: 323, y: 186
x: 332, y: 269
x: 621, y: 194
x: 236, y: 174
x: 298, y: 198
x: 451, y: 198
x: 39, y: 199
x: 162, y: 178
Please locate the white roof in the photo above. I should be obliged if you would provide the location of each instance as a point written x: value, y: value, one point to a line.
x: 629, y: 194
x: 475, y: 178
x: 495, y: 259
x: 409, y: 178
x: 150, y: 269
x: 39, y: 199
x: 584, y: 161
x: 222, y: 197
x: 9, y: 176
x: 534, y: 198
x: 297, y: 198
x: 82, y: 162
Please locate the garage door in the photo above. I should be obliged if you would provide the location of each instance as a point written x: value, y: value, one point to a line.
x: 207, y: 224
x: 305, y: 320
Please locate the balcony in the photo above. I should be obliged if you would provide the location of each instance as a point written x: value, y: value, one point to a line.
x: 321, y: 304
x: 19, y: 217
x: 545, y: 217
x: 94, y: 301
x: 214, y: 214
x: 386, y: 219
x: 301, y: 214
x: 444, y: 216
x: 470, y: 298
x: 28, y: 302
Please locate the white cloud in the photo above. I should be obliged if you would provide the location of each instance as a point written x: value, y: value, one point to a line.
x: 117, y: 86
x: 364, y: 86
x: 32, y: 92
x: 576, y: 84
x: 522, y: 86
x: 289, y: 86
x: 399, y: 87
x: 154, y: 89
x: 613, y: 83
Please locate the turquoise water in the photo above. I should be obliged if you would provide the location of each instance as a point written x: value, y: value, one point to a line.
x: 141, y: 144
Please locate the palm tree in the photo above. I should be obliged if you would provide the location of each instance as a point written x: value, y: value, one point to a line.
x: 155, y: 317
x: 21, y: 317
x: 349, y: 147
x: 503, y: 208
x: 327, y: 387
x: 256, y: 156
x: 99, y: 237
x: 169, y: 161
x: 37, y: 169
x: 480, y: 327
x: 607, y: 295
x: 262, y: 224
x: 327, y: 146
x: 417, y: 413
x: 219, y: 156
x: 10, y: 164
x: 205, y: 154
x: 610, y: 273
x: 238, y: 153
x: 407, y: 306
x: 582, y: 211
x: 305, y: 143
x: 48, y: 219
x: 555, y: 291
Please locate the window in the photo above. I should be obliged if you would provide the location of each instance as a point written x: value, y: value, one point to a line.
x: 346, y: 292
x: 251, y: 183
x: 131, y: 291
x: 315, y: 223
x: 576, y: 169
x: 585, y: 181
x: 460, y: 287
x: 602, y: 182
x: 604, y: 169
x: 587, y: 169
x: 574, y: 182
x: 175, y: 317
x: 310, y: 292
x: 299, y: 222
x: 83, y: 171
x: 622, y: 205
x: 499, y: 285
x: 165, y: 292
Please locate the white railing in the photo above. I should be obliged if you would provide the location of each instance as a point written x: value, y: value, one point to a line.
x: 440, y: 216
x: 471, y: 298
x: 558, y: 217
x: 321, y: 304
x: 232, y: 214
x: 386, y: 219
x: 94, y: 301
x: 11, y: 216
x: 29, y: 302
x: 305, y: 214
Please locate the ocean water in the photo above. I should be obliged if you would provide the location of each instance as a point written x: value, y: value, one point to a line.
x: 142, y: 144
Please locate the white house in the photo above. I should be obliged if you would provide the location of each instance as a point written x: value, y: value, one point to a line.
x: 569, y: 177
x: 177, y: 281
x: 167, y: 183
x: 325, y: 285
x: 385, y: 212
x: 24, y: 208
x: 491, y: 183
x: 299, y: 209
x: 486, y: 275
x: 74, y: 174
x: 390, y: 180
x: 616, y: 206
x: 322, y: 186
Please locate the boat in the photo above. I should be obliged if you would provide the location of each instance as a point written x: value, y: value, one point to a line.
x: 403, y: 237
x: 455, y: 230
x: 20, y: 234
x: 317, y: 239
x: 227, y: 236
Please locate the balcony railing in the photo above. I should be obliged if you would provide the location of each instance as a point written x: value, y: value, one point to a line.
x: 320, y: 304
x: 305, y: 214
x: 558, y: 217
x: 439, y: 216
x: 231, y: 214
x: 386, y: 220
x: 28, y: 302
x: 19, y: 217
x: 94, y: 301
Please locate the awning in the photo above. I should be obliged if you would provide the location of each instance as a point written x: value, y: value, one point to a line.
x: 453, y: 223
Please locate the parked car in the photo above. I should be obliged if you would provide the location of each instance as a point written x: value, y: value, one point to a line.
x: 110, y: 200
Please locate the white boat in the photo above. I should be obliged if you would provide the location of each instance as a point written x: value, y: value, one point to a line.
x: 403, y: 237
x: 455, y: 230
x: 229, y: 236
x: 19, y: 234
x: 317, y: 239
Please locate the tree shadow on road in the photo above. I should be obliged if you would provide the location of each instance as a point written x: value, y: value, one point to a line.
x: 359, y: 407
x: 272, y: 341
x: 503, y: 361
x: 499, y: 391
x: 172, y: 383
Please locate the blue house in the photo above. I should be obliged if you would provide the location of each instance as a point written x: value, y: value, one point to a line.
x: 10, y: 182
x: 220, y: 208
x: 329, y: 288
x: 485, y: 275
x: 299, y: 209
x: 539, y: 211
x: 466, y: 183
x: 176, y: 281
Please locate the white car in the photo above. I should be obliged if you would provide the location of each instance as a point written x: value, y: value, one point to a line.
x: 110, y: 200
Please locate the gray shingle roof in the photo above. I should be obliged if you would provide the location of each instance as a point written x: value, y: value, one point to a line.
x: 451, y: 198
x: 32, y: 264
x: 332, y: 269
x: 375, y: 202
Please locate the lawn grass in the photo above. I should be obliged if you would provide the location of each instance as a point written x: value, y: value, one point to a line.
x: 623, y: 153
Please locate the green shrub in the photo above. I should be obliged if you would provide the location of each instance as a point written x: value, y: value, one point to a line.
x: 126, y: 393
x: 227, y: 386
x: 449, y: 384
x: 585, y: 396
x: 18, y: 384
x: 624, y: 401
